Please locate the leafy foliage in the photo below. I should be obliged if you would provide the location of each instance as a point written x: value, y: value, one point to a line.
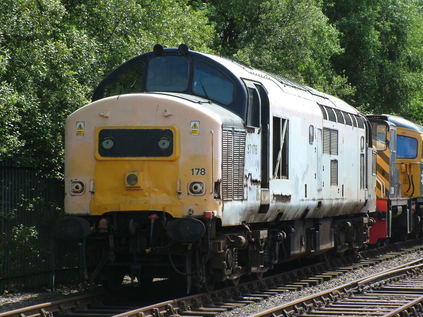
x: 383, y: 56
x: 53, y: 53
x: 291, y: 38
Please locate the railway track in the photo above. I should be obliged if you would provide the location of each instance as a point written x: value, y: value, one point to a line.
x: 396, y: 292
x: 215, y: 302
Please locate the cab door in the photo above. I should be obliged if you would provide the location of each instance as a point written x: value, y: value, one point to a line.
x: 257, y: 145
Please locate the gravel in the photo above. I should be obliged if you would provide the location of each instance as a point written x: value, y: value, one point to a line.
x: 277, y: 300
x: 10, y: 300
x: 14, y: 300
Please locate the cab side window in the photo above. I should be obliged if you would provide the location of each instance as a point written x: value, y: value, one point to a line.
x: 210, y: 83
x: 379, y: 135
x: 406, y: 147
x: 280, y: 148
x: 253, y: 105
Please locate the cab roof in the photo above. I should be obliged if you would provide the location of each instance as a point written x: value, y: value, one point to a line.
x: 397, y: 121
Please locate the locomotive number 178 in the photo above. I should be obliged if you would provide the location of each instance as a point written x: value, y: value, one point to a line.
x: 198, y: 171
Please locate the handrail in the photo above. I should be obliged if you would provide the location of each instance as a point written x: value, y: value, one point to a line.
x: 382, y: 185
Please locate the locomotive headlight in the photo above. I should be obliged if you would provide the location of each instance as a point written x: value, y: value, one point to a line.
x: 196, y: 188
x: 132, y: 180
x: 107, y: 143
x: 164, y: 143
x: 77, y: 187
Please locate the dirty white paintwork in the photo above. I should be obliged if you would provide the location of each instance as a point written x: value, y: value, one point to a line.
x: 151, y: 110
x: 307, y: 164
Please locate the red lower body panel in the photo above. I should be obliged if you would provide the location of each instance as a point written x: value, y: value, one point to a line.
x: 379, y: 230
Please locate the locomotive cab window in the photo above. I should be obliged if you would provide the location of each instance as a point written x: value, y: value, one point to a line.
x: 212, y: 84
x: 128, y: 79
x: 379, y: 135
x: 168, y: 73
x: 253, y: 105
x: 280, y: 148
x: 406, y: 147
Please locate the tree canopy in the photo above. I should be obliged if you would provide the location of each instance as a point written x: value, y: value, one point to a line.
x: 383, y: 53
x: 54, y: 52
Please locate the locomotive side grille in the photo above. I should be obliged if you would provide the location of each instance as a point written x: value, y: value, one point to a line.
x: 334, y: 142
x: 233, y: 157
x: 227, y: 166
x: 238, y: 160
x: 330, y: 141
x: 326, y: 141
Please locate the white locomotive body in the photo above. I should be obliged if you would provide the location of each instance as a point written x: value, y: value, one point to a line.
x: 193, y: 160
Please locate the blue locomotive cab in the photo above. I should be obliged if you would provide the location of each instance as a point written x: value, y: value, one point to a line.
x: 176, y: 72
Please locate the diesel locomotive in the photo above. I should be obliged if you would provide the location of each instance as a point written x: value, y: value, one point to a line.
x: 399, y: 178
x: 191, y: 165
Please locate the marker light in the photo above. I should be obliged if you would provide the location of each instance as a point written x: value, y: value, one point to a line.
x: 132, y: 180
x: 77, y: 187
x: 196, y: 188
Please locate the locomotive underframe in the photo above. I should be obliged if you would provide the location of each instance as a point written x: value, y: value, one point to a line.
x: 406, y: 214
x: 138, y: 245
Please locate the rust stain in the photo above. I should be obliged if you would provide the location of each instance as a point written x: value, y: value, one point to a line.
x: 250, y: 130
x: 281, y: 198
x: 255, y: 181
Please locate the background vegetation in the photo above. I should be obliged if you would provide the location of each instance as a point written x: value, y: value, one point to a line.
x: 54, y: 52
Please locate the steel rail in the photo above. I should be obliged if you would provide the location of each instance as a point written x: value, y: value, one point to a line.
x: 310, y: 305
x: 212, y: 303
x: 54, y: 307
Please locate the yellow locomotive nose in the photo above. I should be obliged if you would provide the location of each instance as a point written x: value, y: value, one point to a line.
x: 131, y: 164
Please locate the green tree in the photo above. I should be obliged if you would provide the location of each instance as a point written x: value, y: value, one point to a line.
x: 53, y: 53
x: 291, y: 38
x: 383, y: 56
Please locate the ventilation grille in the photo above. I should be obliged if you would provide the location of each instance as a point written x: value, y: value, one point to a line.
x: 330, y: 141
x: 233, y: 155
x: 326, y: 141
x: 333, y: 142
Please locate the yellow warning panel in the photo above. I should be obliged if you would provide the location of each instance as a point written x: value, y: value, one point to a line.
x: 195, y: 127
x: 80, y: 127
